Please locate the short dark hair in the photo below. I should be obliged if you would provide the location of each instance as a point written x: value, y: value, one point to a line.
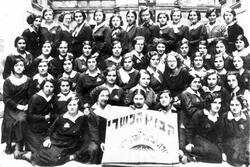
x: 110, y: 20
x: 17, y: 40
x: 32, y: 17
x: 210, y: 11
x: 197, y: 12
x: 100, y: 10
x: 173, y: 11
x: 79, y: 11
x: 47, y: 80
x: 46, y: 10
x: 162, y: 13
x: 230, y: 11
x: 134, y: 13
x: 17, y: 60
x: 243, y: 38
x: 139, y: 92
x: 143, y: 9
x: 137, y: 38
x: 62, y: 15
x: 64, y: 79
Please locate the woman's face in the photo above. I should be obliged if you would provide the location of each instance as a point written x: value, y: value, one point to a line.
x: 37, y: 22
x: 161, y: 48
x: 154, y: 61
x: 212, y: 80
x: 111, y: 77
x: 145, y: 16
x: 86, y: 50
x: 238, y: 62
x: 184, y: 49
x: 176, y: 17
x: 73, y: 107
x: 203, y: 49
x: 195, y: 84
x: 48, y: 16
x: 193, y: 17
x: 139, y: 46
x: 92, y: 64
x: 219, y: 63
x: 46, y: 49
x: 139, y: 101
x: 116, y: 22
x: 235, y: 106
x: 198, y: 62
x: 65, y: 87
x: 103, y: 98
x: 98, y: 17
x: 79, y: 18
x: 240, y: 45
x: 21, y: 45
x: 144, y: 80
x: 48, y: 88
x: 67, y: 19
x: 19, y: 68
x: 228, y: 17
x: 165, y: 99
x: 67, y: 66
x: 63, y: 49
x: 128, y: 64
x: 212, y: 18
x: 43, y: 68
x: 117, y: 50
x: 172, y: 62
x: 232, y: 81
x: 220, y: 48
x: 162, y: 19
x: 216, y: 105
x: 130, y: 18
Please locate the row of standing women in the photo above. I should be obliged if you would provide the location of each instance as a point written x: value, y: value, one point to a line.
x: 60, y: 84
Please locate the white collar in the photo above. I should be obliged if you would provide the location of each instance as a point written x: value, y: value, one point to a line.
x: 206, y: 89
x: 129, y: 27
x: 32, y: 29
x: 222, y: 72
x: 62, y: 97
x: 232, y: 23
x: 191, y: 91
x: 71, y: 75
x: 77, y: 30
x: 191, y: 27
x: 111, y: 58
x: 109, y: 88
x: 16, y: 53
x: 49, y: 26
x: 45, y: 59
x: 101, y: 112
x: 17, y: 81
x: 64, y: 28
x: 211, y: 117
x: 97, y: 27
x: 73, y: 119
x: 231, y: 117
x: 39, y: 78
x: 41, y: 93
x: 164, y: 27
x: 97, y: 72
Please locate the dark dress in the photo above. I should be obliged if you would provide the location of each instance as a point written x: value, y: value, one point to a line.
x: 63, y: 34
x: 33, y: 41
x: 61, y: 99
x: 235, y: 138
x: 84, y: 34
x: 66, y: 139
x: 133, y: 78
x: 13, y: 126
x: 244, y: 80
x: 37, y: 125
x: 10, y: 60
x: 203, y: 133
x: 132, y: 33
x: 122, y: 36
x: 156, y: 80
x: 73, y: 77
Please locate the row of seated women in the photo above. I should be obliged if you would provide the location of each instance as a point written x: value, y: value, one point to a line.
x: 56, y: 103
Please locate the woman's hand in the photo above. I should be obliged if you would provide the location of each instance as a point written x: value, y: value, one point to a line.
x: 189, y: 147
x: 102, y: 147
x: 22, y: 107
x: 47, y: 143
x: 224, y: 157
x: 72, y: 157
x: 47, y: 117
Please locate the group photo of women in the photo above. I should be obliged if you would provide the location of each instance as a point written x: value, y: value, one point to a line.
x: 61, y: 81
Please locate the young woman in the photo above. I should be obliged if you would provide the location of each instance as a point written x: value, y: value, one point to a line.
x: 138, y: 99
x: 32, y: 35
x: 117, y: 32
x: 21, y: 53
x: 41, y: 114
x: 198, y: 65
x: 156, y: 78
x: 184, y: 52
x: 215, y: 30
x: 161, y: 48
x: 235, y: 134
x: 101, y: 35
x: 97, y: 121
x: 40, y: 76
x: 162, y: 19
x: 175, y: 78
x: 80, y: 64
x: 208, y: 59
x: 65, y: 139
x: 219, y: 66
x: 15, y: 97
x: 140, y: 61
x: 127, y: 75
x: 89, y: 80
x: 197, y: 31
x: 176, y: 31
x: 82, y: 32
x: 203, y: 131
x: 148, y: 29
x: 131, y: 29
x: 63, y: 32
x: 233, y: 29
x: 144, y: 80
x: 116, y: 92
x: 70, y: 73
x: 116, y: 58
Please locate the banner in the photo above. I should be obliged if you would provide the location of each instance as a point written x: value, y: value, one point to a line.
x: 140, y: 137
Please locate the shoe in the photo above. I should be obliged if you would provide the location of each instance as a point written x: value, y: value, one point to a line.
x: 9, y: 150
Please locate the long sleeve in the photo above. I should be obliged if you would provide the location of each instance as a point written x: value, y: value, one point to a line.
x: 7, y: 67
x: 34, y: 106
x: 93, y: 128
x: 7, y: 96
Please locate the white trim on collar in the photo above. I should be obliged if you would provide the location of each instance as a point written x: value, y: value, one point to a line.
x: 79, y: 114
x: 231, y: 117
x: 211, y: 117
x: 41, y: 93
x: 191, y: 91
